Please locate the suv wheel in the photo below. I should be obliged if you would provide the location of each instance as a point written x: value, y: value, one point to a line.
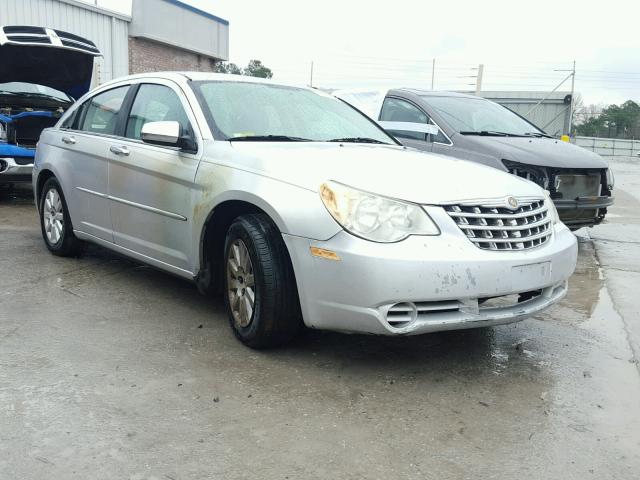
x: 55, y: 222
x: 260, y: 289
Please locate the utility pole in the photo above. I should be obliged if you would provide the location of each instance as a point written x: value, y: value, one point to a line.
x: 573, y: 84
x: 479, y: 79
x: 568, y: 123
x: 311, y: 76
x: 433, y: 73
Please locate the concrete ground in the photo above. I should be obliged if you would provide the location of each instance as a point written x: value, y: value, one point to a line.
x: 112, y: 370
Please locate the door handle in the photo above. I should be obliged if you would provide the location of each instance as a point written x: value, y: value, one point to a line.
x: 69, y: 140
x: 122, y: 151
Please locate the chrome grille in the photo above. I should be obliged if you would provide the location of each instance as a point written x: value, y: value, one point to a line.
x: 500, y: 228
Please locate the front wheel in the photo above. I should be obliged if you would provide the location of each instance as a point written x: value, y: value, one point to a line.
x: 55, y: 222
x: 260, y: 289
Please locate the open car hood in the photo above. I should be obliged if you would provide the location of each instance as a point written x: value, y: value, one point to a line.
x: 48, y: 57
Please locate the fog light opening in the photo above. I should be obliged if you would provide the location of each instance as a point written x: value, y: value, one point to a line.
x: 3, y: 166
x: 402, y: 314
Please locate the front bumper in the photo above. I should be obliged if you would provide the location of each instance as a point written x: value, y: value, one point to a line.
x: 583, y: 211
x: 429, y: 283
x: 12, y: 172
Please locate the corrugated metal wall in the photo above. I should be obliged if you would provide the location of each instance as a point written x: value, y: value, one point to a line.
x: 552, y: 115
x: 109, y: 31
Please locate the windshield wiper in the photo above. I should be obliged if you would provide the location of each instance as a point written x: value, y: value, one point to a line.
x: 267, y: 138
x: 490, y: 133
x: 537, y: 135
x: 357, y: 140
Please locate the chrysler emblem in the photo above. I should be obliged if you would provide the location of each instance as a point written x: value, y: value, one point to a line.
x: 512, y: 202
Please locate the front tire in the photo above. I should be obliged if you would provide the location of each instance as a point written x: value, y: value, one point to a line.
x: 55, y: 222
x: 260, y: 289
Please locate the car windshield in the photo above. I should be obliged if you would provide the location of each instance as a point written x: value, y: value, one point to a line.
x: 266, y: 112
x: 476, y: 115
x: 33, y: 89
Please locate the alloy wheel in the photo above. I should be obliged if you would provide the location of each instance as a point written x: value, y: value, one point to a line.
x: 240, y: 283
x: 53, y: 216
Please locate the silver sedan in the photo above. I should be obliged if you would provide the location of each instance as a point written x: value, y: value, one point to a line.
x: 296, y: 207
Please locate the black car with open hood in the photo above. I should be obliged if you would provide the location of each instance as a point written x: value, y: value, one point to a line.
x: 42, y: 72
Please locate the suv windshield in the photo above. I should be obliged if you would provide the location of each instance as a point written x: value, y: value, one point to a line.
x: 476, y: 116
x: 21, y: 88
x: 265, y: 112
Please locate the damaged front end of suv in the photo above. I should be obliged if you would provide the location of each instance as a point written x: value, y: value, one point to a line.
x: 42, y: 72
x: 581, y: 195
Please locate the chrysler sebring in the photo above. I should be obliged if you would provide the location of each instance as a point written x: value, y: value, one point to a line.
x: 296, y: 207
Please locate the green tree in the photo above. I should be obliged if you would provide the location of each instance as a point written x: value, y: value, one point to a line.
x: 620, y: 120
x: 257, y: 69
x: 227, y: 67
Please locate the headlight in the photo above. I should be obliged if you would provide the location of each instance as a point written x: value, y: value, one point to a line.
x: 610, y: 179
x: 3, y: 133
x: 553, y: 211
x: 373, y: 217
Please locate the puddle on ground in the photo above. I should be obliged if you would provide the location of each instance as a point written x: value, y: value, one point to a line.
x: 587, y: 281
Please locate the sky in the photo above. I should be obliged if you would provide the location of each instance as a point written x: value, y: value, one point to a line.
x: 357, y: 43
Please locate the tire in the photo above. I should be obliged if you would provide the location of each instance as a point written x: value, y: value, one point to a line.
x: 265, y: 276
x: 55, y: 222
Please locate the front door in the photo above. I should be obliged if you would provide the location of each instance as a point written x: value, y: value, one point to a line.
x: 151, y: 187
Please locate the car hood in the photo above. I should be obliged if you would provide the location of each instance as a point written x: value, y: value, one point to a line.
x: 391, y: 171
x: 66, y: 70
x: 544, y: 152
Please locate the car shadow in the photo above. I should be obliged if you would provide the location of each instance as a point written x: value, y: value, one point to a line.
x: 475, y: 351
x: 19, y: 194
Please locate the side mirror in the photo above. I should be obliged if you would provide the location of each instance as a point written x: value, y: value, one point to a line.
x: 410, y: 127
x: 168, y: 134
x: 161, y: 133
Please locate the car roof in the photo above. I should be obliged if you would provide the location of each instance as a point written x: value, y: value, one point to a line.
x: 182, y: 76
x: 434, y: 93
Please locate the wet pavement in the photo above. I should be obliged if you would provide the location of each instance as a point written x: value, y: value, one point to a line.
x: 110, y: 369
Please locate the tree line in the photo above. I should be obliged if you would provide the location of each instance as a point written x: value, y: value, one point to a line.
x: 255, y: 68
x: 613, y: 121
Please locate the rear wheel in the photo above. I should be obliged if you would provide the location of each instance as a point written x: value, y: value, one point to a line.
x: 260, y: 290
x: 55, y: 222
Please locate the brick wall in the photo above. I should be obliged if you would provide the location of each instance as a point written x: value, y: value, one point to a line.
x: 148, y: 56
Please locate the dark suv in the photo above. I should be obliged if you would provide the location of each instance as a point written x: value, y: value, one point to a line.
x: 479, y: 130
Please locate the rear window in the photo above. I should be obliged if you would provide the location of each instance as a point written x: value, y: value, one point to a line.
x: 101, y: 112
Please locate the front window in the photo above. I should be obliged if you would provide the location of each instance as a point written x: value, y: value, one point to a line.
x: 259, y: 111
x: 21, y: 88
x: 155, y: 103
x: 398, y: 110
x: 477, y: 115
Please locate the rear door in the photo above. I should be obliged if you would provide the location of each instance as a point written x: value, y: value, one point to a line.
x: 84, y: 140
x: 151, y: 187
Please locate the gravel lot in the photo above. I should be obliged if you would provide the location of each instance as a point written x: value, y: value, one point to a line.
x: 110, y: 369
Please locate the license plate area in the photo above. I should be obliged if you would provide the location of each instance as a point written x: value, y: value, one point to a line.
x: 531, y: 276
